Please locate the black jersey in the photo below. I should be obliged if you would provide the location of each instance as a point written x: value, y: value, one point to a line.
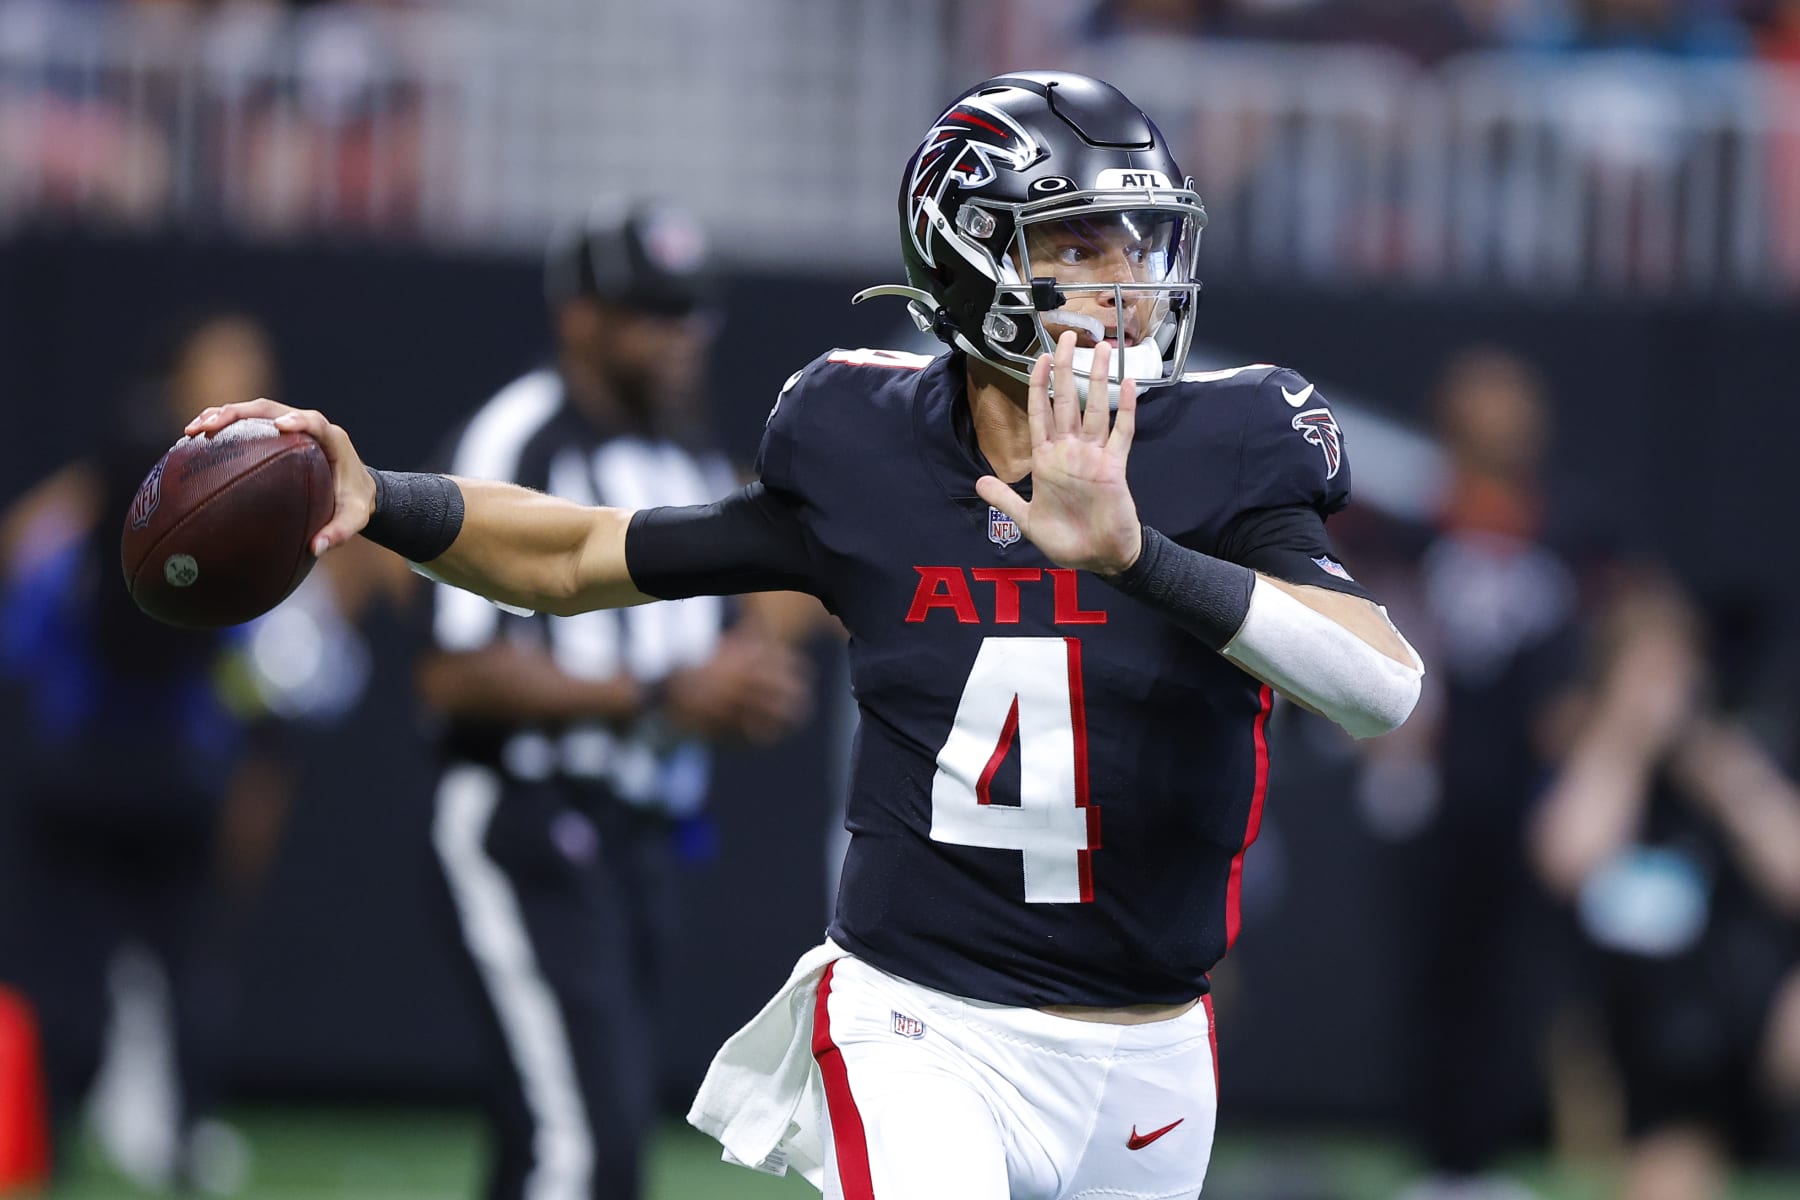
x: 1053, y: 786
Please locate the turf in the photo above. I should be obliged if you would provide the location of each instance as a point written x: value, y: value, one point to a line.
x: 382, y: 1154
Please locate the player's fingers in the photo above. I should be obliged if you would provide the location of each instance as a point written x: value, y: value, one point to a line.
x: 306, y: 420
x: 355, y: 490
x: 214, y: 419
x: 1037, y: 400
x: 1125, y: 421
x: 1002, y: 497
x: 1095, y: 409
x: 1064, y: 399
x: 351, y: 514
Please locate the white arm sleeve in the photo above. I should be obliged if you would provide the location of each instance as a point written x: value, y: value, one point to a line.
x: 1313, y: 659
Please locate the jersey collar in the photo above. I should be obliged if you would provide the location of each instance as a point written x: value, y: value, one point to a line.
x: 944, y: 432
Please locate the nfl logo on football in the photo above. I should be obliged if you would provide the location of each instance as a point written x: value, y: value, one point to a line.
x: 908, y: 1027
x: 1002, y: 529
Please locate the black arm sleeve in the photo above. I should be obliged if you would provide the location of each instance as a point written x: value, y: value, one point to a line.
x: 751, y: 541
x: 1287, y: 543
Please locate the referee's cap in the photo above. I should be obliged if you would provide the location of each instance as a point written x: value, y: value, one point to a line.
x: 640, y: 255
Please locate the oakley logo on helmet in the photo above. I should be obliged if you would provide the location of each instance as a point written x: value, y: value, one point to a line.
x: 967, y: 147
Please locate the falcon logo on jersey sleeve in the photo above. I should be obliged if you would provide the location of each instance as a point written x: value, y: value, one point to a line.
x: 963, y: 148
x: 1317, y: 426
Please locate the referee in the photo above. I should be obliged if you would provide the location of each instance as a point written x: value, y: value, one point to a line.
x: 573, y: 747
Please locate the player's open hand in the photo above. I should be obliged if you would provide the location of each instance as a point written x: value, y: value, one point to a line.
x: 354, y: 487
x: 1081, y: 513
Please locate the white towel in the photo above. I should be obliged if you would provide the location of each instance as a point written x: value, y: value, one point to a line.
x: 762, y: 1097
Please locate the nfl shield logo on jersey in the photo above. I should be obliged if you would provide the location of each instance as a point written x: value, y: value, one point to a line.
x: 1002, y: 529
x: 908, y: 1027
x: 1332, y: 566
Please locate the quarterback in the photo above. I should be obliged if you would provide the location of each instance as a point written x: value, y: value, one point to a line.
x: 1075, y: 575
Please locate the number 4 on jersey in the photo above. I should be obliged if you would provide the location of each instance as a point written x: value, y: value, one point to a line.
x: 1028, y: 690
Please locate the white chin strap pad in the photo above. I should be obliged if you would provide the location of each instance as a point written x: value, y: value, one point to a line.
x: 1318, y: 662
x: 1142, y: 361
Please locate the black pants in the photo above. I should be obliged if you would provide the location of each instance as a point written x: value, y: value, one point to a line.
x: 561, y: 898
x: 86, y: 872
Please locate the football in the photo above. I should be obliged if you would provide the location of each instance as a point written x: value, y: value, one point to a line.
x: 221, y: 529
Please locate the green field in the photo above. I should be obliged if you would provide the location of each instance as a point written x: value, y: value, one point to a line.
x: 384, y: 1154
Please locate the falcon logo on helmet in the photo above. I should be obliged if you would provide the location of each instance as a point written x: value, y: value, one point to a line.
x: 962, y: 148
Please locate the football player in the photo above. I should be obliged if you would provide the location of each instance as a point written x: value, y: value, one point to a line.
x: 1064, y: 680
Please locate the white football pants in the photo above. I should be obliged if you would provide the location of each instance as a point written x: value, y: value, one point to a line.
x: 932, y: 1097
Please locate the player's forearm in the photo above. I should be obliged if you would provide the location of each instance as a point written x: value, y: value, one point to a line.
x: 516, y: 684
x: 539, y: 552
x: 1300, y: 649
x: 1353, y: 614
x: 505, y: 542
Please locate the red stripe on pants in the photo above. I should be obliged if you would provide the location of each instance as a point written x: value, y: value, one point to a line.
x: 847, y: 1133
x: 1212, y: 1037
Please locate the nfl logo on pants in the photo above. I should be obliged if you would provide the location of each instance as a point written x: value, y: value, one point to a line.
x: 908, y: 1027
x: 1002, y: 529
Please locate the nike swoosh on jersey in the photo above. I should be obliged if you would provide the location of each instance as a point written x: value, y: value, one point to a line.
x: 1134, y: 1142
x: 1296, y: 399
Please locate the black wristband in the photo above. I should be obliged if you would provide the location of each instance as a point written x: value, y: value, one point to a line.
x: 416, y: 516
x: 1207, y: 596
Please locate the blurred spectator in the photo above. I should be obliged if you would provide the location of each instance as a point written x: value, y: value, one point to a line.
x: 1453, y: 789
x: 1676, y: 840
x: 136, y: 746
x: 147, y: 814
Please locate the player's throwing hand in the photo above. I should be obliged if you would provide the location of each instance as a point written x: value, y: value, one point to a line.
x: 355, y: 488
x: 1080, y: 513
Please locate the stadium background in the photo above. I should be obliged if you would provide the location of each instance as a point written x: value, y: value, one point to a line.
x: 1610, y: 191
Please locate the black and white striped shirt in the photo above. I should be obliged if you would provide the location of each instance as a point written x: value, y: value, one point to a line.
x: 528, y: 433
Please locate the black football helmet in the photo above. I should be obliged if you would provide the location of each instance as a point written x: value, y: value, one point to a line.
x: 1043, y: 201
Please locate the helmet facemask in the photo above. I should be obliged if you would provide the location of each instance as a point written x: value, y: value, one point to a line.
x: 1116, y: 266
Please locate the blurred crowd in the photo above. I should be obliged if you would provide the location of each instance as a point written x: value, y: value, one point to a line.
x: 1430, y: 30
x: 396, y: 117
x: 254, y: 114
